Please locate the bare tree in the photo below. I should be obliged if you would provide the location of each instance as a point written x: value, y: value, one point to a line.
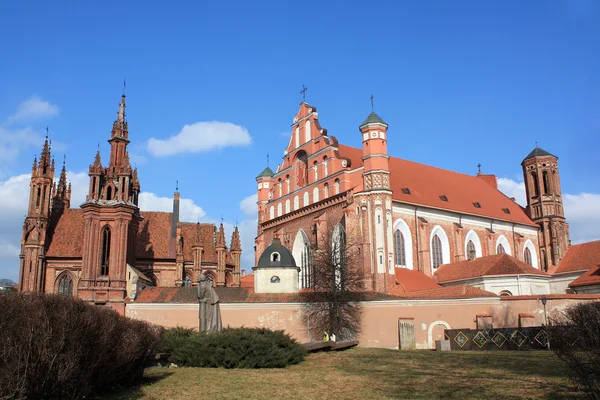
x: 333, y: 302
x: 575, y: 338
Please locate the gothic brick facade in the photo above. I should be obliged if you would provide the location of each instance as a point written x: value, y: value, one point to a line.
x: 93, y: 252
x: 406, y: 214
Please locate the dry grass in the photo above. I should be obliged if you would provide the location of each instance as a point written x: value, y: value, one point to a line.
x: 373, y: 374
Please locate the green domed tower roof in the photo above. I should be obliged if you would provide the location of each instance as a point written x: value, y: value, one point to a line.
x: 373, y: 119
x: 266, y: 173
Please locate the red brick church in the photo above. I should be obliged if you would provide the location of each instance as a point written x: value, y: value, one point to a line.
x: 407, y: 215
x: 104, y: 251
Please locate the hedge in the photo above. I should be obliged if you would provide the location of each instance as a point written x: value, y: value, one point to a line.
x: 56, y: 347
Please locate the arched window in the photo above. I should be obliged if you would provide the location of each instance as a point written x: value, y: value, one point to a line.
x: 471, y: 254
x: 306, y: 200
x: 325, y: 167
x: 287, y: 206
x: 307, y: 134
x: 65, y: 285
x: 316, y: 167
x: 39, y: 195
x: 287, y: 183
x: 502, y: 246
x: 338, y: 244
x: 527, y: 256
x: 546, y: 182
x: 436, y: 251
x: 105, y: 260
x: 505, y: 293
x: 109, y: 193
x: 271, y: 212
x: 535, y: 184
x: 399, y: 248
x: 297, y: 135
x: 303, y: 257
x: 326, y: 190
x: 403, y: 256
x: 316, y: 194
x: 500, y: 249
x: 279, y: 210
x: 296, y: 202
x: 280, y: 188
x: 337, y: 186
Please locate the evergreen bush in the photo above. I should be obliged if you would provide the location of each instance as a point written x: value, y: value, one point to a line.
x: 233, y: 348
x: 57, y: 347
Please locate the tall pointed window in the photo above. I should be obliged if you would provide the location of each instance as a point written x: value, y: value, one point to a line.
x: 65, y: 286
x: 337, y: 186
x: 109, y: 193
x: 436, y: 251
x: 400, y: 249
x: 471, y: 254
x: 500, y: 249
x: 536, y: 187
x: 527, y: 256
x: 105, y: 261
x: 338, y: 247
x: 546, y: 182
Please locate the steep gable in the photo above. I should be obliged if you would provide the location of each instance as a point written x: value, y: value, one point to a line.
x: 580, y: 257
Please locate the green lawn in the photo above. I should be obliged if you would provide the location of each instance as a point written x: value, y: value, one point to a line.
x: 372, y: 374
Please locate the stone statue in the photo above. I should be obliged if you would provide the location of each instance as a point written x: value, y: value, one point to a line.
x: 210, y: 313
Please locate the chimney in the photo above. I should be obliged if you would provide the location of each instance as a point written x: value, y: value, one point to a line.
x: 242, y: 273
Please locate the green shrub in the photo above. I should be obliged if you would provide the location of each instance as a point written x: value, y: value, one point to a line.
x: 174, y: 338
x: 233, y: 348
x: 56, y: 347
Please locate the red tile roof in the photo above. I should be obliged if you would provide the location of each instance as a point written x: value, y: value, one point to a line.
x: 498, y: 264
x: 448, y: 292
x: 552, y: 297
x: 427, y: 184
x: 154, y: 233
x: 67, y: 238
x: 247, y: 281
x: 580, y: 257
x: 411, y: 280
x: 591, y: 277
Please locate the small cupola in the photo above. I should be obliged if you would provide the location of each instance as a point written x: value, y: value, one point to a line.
x: 276, y: 271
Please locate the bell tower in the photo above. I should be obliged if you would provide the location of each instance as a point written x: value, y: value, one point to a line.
x: 111, y: 217
x: 545, y: 205
x: 375, y: 205
x: 32, y: 269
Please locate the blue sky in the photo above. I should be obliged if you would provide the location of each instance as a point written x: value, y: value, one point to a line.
x: 459, y: 83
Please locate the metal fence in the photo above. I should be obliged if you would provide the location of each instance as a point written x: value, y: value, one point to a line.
x: 532, y: 338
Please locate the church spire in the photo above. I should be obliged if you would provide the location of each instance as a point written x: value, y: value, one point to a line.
x: 221, y: 237
x: 235, y: 240
x: 62, y: 195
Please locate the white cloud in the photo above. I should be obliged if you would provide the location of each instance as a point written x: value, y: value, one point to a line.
x: 200, y: 136
x: 513, y: 189
x: 582, y: 210
x: 34, y: 108
x: 583, y: 215
x: 13, y: 141
x: 188, y: 210
x: 249, y: 206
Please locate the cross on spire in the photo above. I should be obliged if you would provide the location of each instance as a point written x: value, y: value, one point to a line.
x: 177, y: 185
x: 303, y: 93
x: 124, y: 85
x: 47, y: 130
x: 479, y: 167
x: 372, y: 97
x: 64, y: 159
x: 267, y: 160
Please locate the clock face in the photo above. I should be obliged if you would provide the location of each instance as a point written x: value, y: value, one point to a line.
x: 344, y: 163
